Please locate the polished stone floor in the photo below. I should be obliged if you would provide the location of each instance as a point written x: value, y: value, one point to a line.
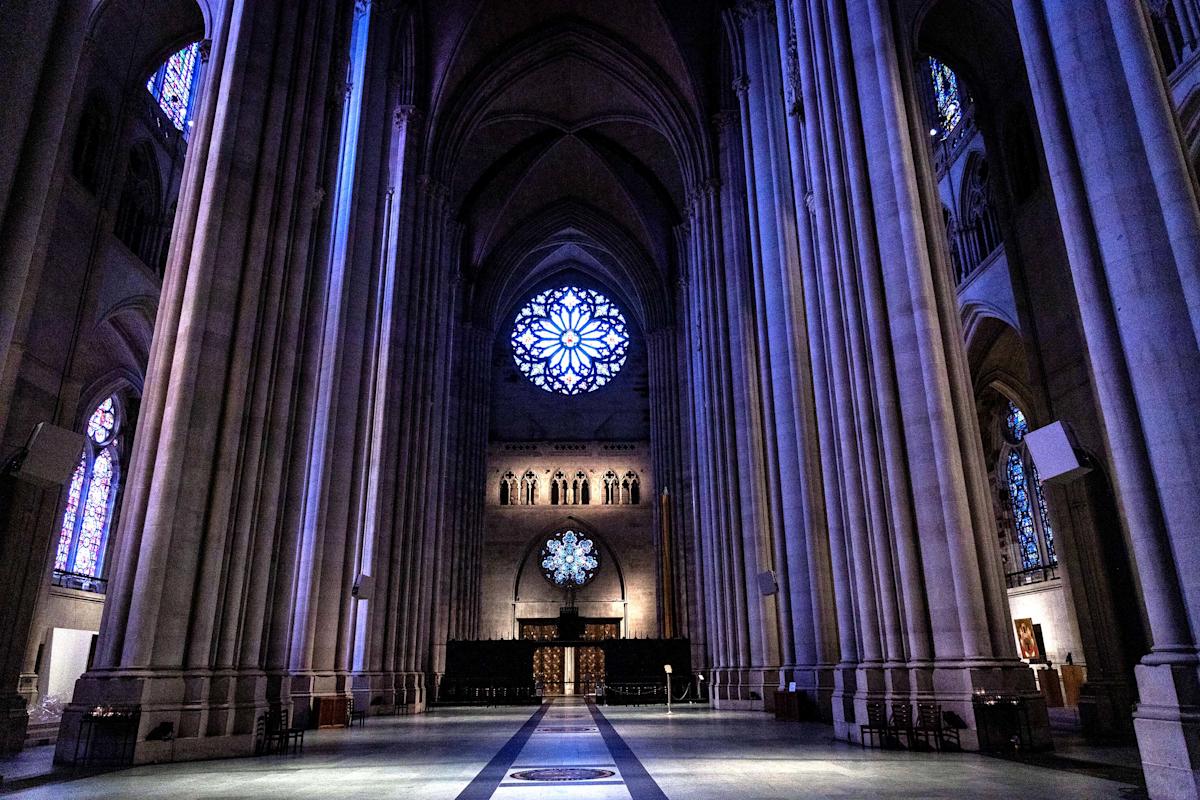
x: 643, y: 754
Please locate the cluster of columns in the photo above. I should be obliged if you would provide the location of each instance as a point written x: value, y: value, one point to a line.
x: 278, y: 541
x: 858, y: 559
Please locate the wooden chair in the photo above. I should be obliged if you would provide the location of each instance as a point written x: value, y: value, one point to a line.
x: 284, y: 735
x: 931, y: 728
x: 268, y: 739
x: 902, y: 722
x: 353, y: 714
x: 877, y: 724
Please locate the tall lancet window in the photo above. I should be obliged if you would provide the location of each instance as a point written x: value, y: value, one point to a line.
x: 1034, y: 535
x: 174, y: 86
x: 91, y: 496
x: 946, y: 95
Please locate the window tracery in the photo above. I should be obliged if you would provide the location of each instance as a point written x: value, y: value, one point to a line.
x: 612, y: 489
x: 981, y: 230
x: 570, y: 340
x: 173, y: 85
x: 91, y: 497
x: 139, y: 223
x: 508, y: 489
x: 569, y: 559
x: 946, y: 95
x: 1033, y: 533
x: 529, y: 488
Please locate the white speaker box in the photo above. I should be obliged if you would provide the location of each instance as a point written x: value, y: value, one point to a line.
x: 1053, y: 451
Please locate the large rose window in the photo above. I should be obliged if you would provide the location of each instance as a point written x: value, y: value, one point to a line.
x: 570, y: 340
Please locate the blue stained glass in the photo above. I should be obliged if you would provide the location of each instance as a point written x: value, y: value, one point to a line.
x: 1018, y: 496
x: 1044, y: 515
x: 173, y: 84
x: 88, y: 511
x: 570, y: 340
x: 1016, y: 424
x: 95, y: 516
x: 946, y: 94
x: 569, y: 560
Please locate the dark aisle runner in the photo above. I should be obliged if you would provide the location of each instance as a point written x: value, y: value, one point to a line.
x: 566, y: 746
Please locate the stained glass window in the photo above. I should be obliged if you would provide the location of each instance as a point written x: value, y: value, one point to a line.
x: 88, y: 510
x: 67, y: 532
x: 1044, y: 516
x: 946, y: 95
x: 174, y: 83
x: 1025, y: 489
x: 570, y: 340
x: 569, y: 559
x: 1018, y: 497
x: 1016, y: 424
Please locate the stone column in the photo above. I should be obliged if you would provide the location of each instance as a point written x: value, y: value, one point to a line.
x: 915, y: 636
x: 1129, y: 234
x: 43, y: 44
x: 972, y: 645
x: 784, y: 341
x: 226, y: 381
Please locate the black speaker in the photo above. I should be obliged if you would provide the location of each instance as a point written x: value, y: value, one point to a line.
x: 49, y: 457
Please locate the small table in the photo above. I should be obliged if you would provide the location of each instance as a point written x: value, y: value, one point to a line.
x: 107, y: 735
x: 1002, y: 722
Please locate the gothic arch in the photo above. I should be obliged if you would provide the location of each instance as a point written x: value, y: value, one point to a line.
x: 534, y: 544
x: 536, y: 251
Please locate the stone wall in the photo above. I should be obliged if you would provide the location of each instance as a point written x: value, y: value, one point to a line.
x: 625, y: 586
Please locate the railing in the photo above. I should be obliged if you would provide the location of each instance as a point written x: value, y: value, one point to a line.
x: 84, y: 583
x: 1175, y: 28
x: 1028, y: 577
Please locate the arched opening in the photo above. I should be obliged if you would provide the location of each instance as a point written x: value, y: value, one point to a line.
x: 1010, y: 261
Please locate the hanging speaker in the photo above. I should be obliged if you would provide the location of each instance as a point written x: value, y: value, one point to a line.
x: 1054, y: 453
x: 50, y: 456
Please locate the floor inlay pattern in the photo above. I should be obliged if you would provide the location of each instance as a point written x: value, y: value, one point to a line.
x: 568, y: 729
x: 562, y: 774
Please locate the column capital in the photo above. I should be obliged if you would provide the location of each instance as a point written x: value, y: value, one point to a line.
x: 749, y: 9
x: 404, y: 113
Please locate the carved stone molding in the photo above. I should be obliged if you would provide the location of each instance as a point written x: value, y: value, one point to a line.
x: 404, y: 114
x: 749, y: 9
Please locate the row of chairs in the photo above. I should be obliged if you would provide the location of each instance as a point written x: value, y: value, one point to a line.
x: 274, y: 734
x: 928, y: 729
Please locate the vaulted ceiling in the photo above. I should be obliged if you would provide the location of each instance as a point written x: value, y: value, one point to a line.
x: 571, y: 123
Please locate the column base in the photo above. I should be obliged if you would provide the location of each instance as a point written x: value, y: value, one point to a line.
x: 14, y: 723
x: 181, y: 715
x: 742, y: 688
x: 303, y: 689
x: 1167, y: 724
x: 951, y: 685
x: 816, y: 683
x: 1106, y: 710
